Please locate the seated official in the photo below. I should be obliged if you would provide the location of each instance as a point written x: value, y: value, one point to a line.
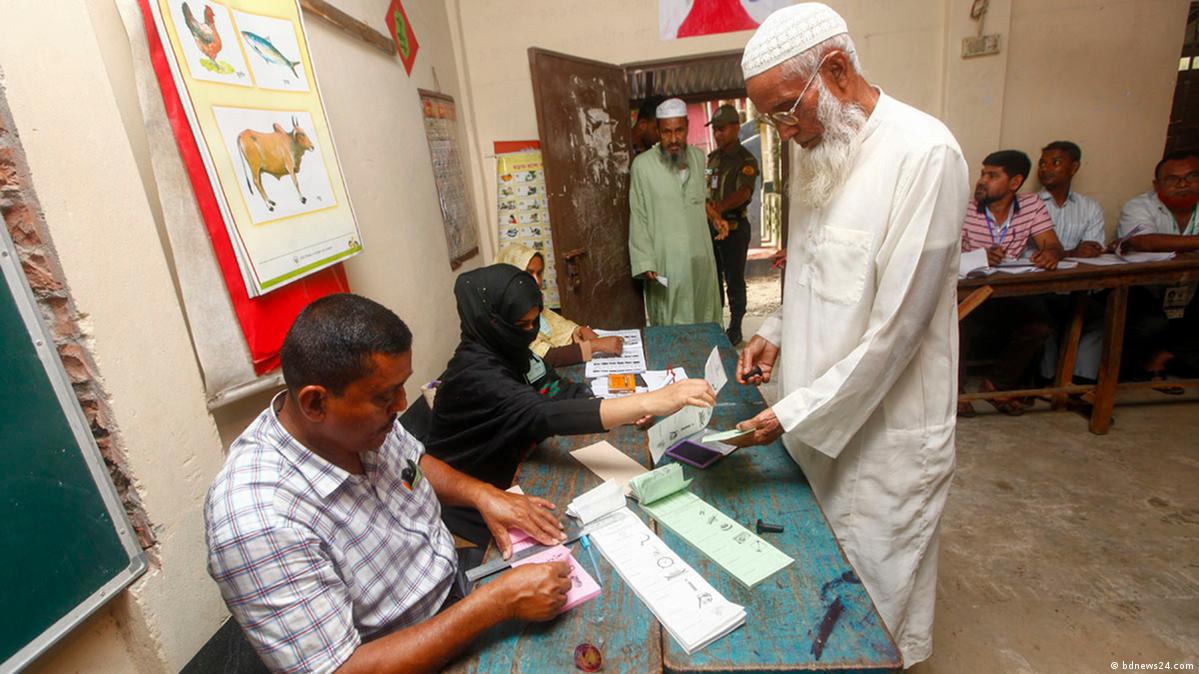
x: 497, y: 399
x: 324, y: 526
x: 560, y: 342
x: 1078, y: 223
x: 1162, y: 330
x: 1006, y: 224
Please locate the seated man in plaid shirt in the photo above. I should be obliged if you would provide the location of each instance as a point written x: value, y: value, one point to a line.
x: 324, y: 526
x: 1008, y: 225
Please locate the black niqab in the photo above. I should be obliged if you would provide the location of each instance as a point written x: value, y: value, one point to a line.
x: 490, y: 302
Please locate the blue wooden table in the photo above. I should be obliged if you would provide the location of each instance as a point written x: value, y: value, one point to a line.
x: 785, y: 615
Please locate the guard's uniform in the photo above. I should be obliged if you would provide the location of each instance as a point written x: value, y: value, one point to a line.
x: 727, y: 172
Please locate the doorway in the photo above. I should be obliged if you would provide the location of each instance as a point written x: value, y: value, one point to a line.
x: 705, y: 83
x: 585, y: 110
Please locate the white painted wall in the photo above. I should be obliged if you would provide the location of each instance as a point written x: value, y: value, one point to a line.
x: 75, y: 107
x: 1099, y: 72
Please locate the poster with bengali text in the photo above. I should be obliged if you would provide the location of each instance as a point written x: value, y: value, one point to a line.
x: 524, y: 212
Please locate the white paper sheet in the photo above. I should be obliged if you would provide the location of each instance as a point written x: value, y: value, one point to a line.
x: 692, y: 611
x: 630, y: 361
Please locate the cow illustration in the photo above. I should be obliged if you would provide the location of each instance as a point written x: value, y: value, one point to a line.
x: 277, y: 153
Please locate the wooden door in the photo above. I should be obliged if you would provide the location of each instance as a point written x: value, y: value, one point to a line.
x: 583, y: 123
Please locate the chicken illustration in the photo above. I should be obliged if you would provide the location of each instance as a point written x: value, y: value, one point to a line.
x: 205, y: 34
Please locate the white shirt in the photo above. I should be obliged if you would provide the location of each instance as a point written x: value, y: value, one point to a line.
x: 1079, y: 219
x: 869, y: 344
x: 1149, y: 212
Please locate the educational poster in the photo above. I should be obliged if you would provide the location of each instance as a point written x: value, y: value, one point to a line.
x: 273, y: 51
x: 245, y: 77
x: 457, y: 214
x: 524, y: 211
x: 690, y: 18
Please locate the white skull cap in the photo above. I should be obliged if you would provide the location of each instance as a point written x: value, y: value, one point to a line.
x: 671, y: 107
x: 789, y: 32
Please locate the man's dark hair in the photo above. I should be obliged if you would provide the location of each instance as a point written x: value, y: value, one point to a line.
x: 649, y: 108
x: 1013, y: 162
x: 1071, y: 149
x: 1176, y: 155
x: 331, y: 342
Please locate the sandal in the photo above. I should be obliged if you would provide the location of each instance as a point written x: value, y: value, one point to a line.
x: 1160, y: 375
x: 1008, y: 406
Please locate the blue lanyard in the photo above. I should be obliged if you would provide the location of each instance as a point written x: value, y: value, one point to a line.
x: 991, y: 226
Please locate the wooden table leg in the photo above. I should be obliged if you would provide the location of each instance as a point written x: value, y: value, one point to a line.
x: 1067, y: 351
x: 1109, y: 366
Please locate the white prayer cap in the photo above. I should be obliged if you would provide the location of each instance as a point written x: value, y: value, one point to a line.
x: 671, y: 107
x: 789, y: 32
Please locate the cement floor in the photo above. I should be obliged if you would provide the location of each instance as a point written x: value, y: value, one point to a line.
x: 1063, y: 551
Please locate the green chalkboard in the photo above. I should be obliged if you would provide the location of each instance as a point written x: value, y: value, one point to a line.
x: 65, y: 544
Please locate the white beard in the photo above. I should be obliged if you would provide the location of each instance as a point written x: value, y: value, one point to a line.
x: 821, y: 170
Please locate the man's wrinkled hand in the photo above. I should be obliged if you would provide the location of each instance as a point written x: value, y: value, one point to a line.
x: 758, y: 353
x: 502, y: 510
x: 766, y: 429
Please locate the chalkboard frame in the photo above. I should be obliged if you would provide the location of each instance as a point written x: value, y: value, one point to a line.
x: 43, y: 344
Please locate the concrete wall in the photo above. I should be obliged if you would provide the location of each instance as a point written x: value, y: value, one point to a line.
x: 74, y: 105
x: 1099, y: 72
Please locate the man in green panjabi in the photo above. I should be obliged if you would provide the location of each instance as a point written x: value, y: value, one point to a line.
x: 670, y: 247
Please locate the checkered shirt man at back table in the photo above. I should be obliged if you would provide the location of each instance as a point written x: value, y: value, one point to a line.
x: 324, y: 526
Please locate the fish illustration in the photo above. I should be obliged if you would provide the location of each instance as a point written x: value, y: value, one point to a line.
x: 269, y: 53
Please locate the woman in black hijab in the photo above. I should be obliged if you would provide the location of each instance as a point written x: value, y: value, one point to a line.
x: 497, y: 399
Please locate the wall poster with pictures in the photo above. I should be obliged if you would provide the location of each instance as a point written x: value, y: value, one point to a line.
x: 457, y: 214
x: 244, y: 74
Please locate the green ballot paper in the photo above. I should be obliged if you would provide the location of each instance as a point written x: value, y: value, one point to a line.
x: 725, y: 436
x: 663, y: 494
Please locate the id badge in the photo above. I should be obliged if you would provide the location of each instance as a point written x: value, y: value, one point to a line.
x: 1174, y: 302
x: 536, y: 369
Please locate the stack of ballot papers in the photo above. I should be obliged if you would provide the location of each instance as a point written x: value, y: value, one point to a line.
x: 583, y: 587
x: 630, y: 361
x: 663, y: 494
x: 693, y: 612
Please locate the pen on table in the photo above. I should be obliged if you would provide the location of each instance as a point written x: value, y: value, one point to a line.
x: 585, y: 540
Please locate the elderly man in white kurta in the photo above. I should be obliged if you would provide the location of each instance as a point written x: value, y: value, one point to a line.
x: 868, y: 328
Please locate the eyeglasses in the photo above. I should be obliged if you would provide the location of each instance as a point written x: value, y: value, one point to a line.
x: 1177, y: 181
x: 788, y: 118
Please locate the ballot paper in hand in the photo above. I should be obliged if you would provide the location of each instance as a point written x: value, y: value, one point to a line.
x: 630, y: 361
x: 689, y: 420
x: 663, y: 280
x: 693, y: 612
x: 663, y: 494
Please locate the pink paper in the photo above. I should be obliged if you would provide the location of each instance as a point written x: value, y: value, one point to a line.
x: 583, y: 586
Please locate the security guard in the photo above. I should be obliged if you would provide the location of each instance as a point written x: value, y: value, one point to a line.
x: 732, y: 173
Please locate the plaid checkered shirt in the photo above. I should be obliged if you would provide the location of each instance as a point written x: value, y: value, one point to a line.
x: 312, y: 560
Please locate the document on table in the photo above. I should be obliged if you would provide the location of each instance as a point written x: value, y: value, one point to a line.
x: 689, y: 420
x: 974, y: 263
x: 609, y: 463
x: 630, y: 361
x: 582, y: 586
x: 692, y: 611
x: 744, y: 554
x: 1110, y: 259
